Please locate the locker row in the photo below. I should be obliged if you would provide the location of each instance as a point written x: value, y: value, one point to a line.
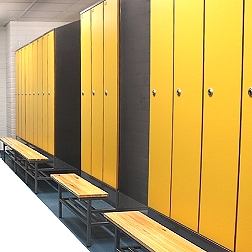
x: 199, y: 125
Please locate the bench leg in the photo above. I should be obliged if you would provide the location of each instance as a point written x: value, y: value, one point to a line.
x: 36, y: 177
x: 117, y: 239
x: 89, y: 223
x: 26, y: 168
x: 4, y: 149
x: 60, y: 203
x: 15, y: 161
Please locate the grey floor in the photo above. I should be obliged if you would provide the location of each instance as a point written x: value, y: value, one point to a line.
x: 102, y: 237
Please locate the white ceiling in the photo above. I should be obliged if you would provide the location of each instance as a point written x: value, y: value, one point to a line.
x: 42, y: 10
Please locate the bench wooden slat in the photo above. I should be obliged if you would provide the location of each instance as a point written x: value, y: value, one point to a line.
x: 149, y: 233
x: 78, y: 186
x: 24, y: 150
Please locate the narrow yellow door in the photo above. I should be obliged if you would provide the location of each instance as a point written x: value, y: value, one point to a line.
x: 221, y: 125
x: 86, y: 92
x: 35, y: 91
x: 161, y: 85
x: 244, y: 218
x: 188, y: 72
x: 23, y: 106
x: 97, y: 91
x: 51, y: 93
x: 39, y: 93
x: 27, y: 102
x: 29, y: 93
x: 111, y: 78
x: 20, y: 95
x: 44, y: 94
x: 17, y: 55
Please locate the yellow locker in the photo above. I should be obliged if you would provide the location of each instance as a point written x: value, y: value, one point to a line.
x: 29, y: 94
x: 35, y: 90
x: 20, y: 95
x: 221, y: 124
x: 23, y: 101
x: 111, y: 77
x: 188, y: 72
x: 97, y: 91
x: 27, y: 87
x: 44, y: 94
x: 86, y: 165
x: 50, y: 93
x: 161, y: 85
x: 244, y: 218
x: 17, y: 90
x: 39, y: 93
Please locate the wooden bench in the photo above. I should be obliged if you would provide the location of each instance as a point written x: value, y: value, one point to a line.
x: 81, y: 203
x: 26, y: 158
x: 148, y: 233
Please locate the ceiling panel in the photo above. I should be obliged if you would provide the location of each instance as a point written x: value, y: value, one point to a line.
x: 42, y: 10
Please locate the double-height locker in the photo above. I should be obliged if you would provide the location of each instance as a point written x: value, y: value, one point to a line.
x: 199, y: 156
x: 99, y: 91
x: 48, y: 87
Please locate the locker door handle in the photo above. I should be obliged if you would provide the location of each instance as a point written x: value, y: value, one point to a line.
x: 106, y: 92
x: 210, y: 92
x: 250, y: 92
x: 49, y: 93
x: 154, y: 92
x: 82, y: 93
x: 179, y: 92
x: 93, y: 92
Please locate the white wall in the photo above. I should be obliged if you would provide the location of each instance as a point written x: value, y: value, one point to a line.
x: 16, y: 34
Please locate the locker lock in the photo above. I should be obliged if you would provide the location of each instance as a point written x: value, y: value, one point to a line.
x: 106, y: 92
x: 49, y: 93
x: 179, y: 91
x: 82, y: 92
x: 154, y: 92
x: 250, y: 92
x: 210, y: 92
x: 93, y: 92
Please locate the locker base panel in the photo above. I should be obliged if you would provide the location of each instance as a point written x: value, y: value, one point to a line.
x: 187, y: 233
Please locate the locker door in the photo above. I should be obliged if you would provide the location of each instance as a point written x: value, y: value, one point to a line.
x: 97, y: 91
x: 17, y: 55
x: 29, y: 93
x: 111, y: 66
x: 188, y: 72
x: 221, y: 125
x: 244, y: 221
x: 39, y: 93
x: 161, y: 85
x: 51, y: 92
x: 86, y: 92
x: 44, y: 94
x: 27, y: 87
x: 35, y: 91
x: 23, y: 108
x: 20, y: 95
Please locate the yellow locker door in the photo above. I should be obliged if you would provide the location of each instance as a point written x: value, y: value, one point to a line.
x: 20, y: 95
x: 35, y: 91
x: 97, y: 91
x: 23, y: 135
x: 188, y: 72
x: 221, y: 125
x: 29, y: 93
x: 39, y: 93
x: 161, y: 85
x: 51, y: 92
x: 44, y: 94
x: 111, y: 78
x: 86, y: 92
x: 27, y: 86
x: 17, y: 90
x: 244, y: 220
